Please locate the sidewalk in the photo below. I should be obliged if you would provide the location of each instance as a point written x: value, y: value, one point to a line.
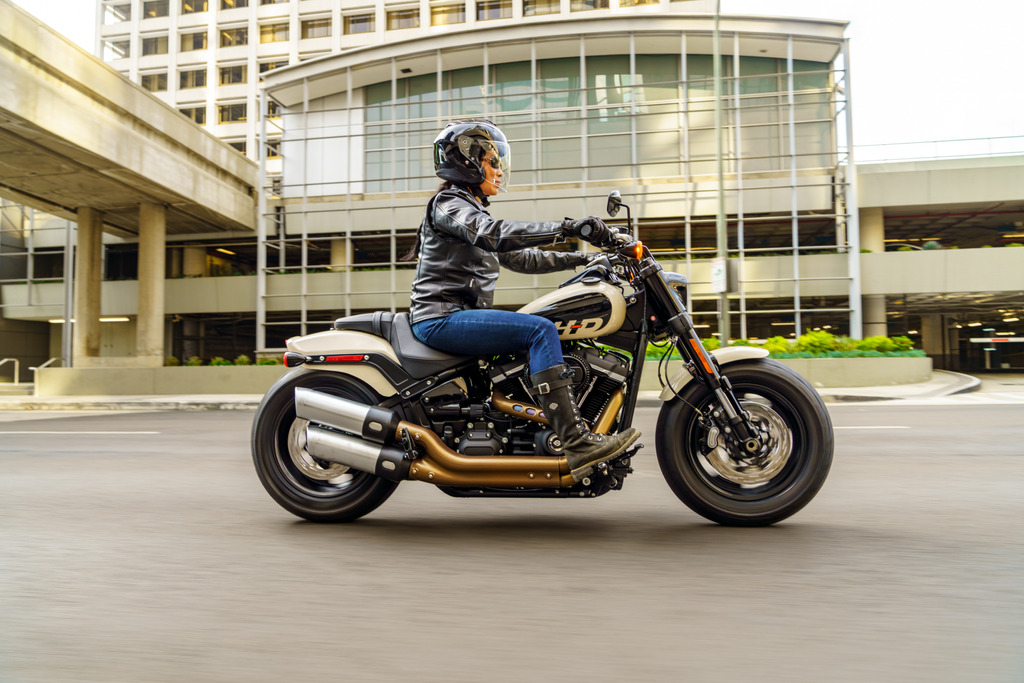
x: 942, y: 383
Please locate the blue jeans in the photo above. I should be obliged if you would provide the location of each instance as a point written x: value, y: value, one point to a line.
x: 488, y: 332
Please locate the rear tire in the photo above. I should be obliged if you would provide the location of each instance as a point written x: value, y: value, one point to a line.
x: 304, y: 486
x: 697, y: 461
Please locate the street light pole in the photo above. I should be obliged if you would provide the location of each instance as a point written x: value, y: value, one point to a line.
x: 721, y: 230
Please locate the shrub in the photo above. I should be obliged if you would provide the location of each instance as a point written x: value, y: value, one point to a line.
x: 817, y: 342
x: 775, y: 345
x: 880, y: 344
x: 194, y: 361
x: 172, y: 362
x: 711, y: 344
x: 902, y: 343
x: 1015, y: 244
x: 931, y: 244
x: 268, y: 361
x: 243, y: 360
x: 905, y: 248
x: 845, y: 344
x: 741, y: 342
x: 217, y: 360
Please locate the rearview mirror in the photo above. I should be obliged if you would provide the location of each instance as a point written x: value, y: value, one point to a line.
x: 614, y: 202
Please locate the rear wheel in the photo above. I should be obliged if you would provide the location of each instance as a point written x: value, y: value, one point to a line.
x: 310, y: 488
x: 709, y: 470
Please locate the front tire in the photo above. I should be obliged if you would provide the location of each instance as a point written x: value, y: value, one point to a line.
x: 704, y: 468
x: 305, y: 486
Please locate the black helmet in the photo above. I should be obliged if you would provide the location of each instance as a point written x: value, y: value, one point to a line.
x: 459, y: 148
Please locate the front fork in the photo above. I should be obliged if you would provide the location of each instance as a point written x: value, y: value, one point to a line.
x: 735, y: 421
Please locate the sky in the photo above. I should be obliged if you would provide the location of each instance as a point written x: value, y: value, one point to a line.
x: 922, y: 70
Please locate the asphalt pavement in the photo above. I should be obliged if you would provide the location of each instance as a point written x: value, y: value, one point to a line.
x: 942, y: 383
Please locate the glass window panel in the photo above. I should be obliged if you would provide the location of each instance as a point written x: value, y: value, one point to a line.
x: 559, y: 82
x: 378, y: 98
x: 230, y: 75
x: 758, y: 75
x: 444, y: 15
x: 269, y: 66
x: 316, y: 28
x: 636, y: 3
x: 232, y: 4
x: 819, y: 78
x: 584, y: 5
x: 193, y: 6
x: 403, y: 18
x: 115, y: 14
x: 116, y: 49
x: 700, y: 75
x: 157, y: 45
x: 154, y: 8
x: 466, y: 91
x: 512, y: 86
x: 193, y: 41
x: 195, y: 78
x: 657, y: 78
x: 154, y: 82
x: 493, y: 9
x: 231, y: 113
x: 608, y: 82
x: 658, y: 117
x: 274, y: 33
x: 561, y: 159
x: 197, y: 114
x: 422, y: 97
x: 230, y: 37
x: 359, y: 23
x: 536, y: 7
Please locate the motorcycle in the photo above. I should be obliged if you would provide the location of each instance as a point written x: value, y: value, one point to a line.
x: 741, y: 439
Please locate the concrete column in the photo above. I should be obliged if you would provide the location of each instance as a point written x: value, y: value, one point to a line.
x: 341, y: 254
x: 194, y: 262
x: 875, y: 322
x: 85, y: 341
x: 149, y: 331
x: 932, y: 337
x: 872, y: 230
x: 872, y: 238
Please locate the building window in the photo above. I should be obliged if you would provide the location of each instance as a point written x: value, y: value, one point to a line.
x: 230, y: 75
x: 195, y: 78
x: 151, y: 9
x: 274, y: 33
x: 272, y: 2
x: 193, y: 41
x: 230, y: 37
x: 232, y: 4
x: 270, y: 66
x: 494, y: 9
x: 636, y: 3
x: 403, y: 18
x: 116, y: 49
x: 238, y: 145
x: 532, y: 8
x: 316, y: 28
x: 193, y: 6
x: 197, y: 114
x: 231, y: 113
x: 156, y: 45
x: 115, y: 14
x: 443, y: 15
x: 359, y: 23
x: 273, y: 110
x: 154, y: 82
x: 584, y: 5
x: 274, y: 149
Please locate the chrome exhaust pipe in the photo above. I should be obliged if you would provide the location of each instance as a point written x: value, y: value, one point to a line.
x: 387, y: 462
x: 371, y: 422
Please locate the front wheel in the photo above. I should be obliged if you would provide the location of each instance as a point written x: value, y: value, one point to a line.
x: 709, y: 471
x: 310, y: 488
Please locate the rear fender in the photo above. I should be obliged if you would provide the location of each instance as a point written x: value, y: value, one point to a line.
x: 349, y: 342
x: 729, y: 354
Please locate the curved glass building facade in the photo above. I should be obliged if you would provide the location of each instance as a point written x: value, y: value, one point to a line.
x: 619, y: 102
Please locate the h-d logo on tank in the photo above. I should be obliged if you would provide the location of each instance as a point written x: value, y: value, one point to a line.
x: 576, y: 328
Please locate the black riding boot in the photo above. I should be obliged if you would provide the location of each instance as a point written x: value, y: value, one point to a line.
x: 583, y: 449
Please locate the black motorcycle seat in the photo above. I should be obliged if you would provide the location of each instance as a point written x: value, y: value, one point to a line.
x: 416, y: 358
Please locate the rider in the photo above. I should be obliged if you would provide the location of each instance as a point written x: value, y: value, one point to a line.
x: 460, y: 247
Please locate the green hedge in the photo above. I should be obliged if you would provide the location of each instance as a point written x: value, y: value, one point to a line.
x: 816, y: 344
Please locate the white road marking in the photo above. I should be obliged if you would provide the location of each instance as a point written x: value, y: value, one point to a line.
x: 52, y: 432
x: 873, y: 427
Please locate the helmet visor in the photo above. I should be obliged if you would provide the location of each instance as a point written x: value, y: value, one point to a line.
x: 498, y: 156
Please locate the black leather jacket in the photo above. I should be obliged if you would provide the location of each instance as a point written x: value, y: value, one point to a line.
x: 461, y: 248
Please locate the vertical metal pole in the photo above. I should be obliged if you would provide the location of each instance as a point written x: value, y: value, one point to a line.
x: 794, y: 209
x: 349, y: 251
x: 304, y: 245
x: 738, y: 154
x: 261, y: 231
x: 853, y: 209
x: 721, y: 229
x: 30, y: 274
x: 69, y: 292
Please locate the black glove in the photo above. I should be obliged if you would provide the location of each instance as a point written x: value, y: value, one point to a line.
x: 592, y: 229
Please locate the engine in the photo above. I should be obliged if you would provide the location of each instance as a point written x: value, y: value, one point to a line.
x: 597, y: 374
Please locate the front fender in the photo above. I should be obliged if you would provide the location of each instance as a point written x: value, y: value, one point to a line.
x: 729, y: 354
x: 349, y: 341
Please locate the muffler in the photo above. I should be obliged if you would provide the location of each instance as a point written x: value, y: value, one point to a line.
x: 387, y: 462
x: 371, y: 422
